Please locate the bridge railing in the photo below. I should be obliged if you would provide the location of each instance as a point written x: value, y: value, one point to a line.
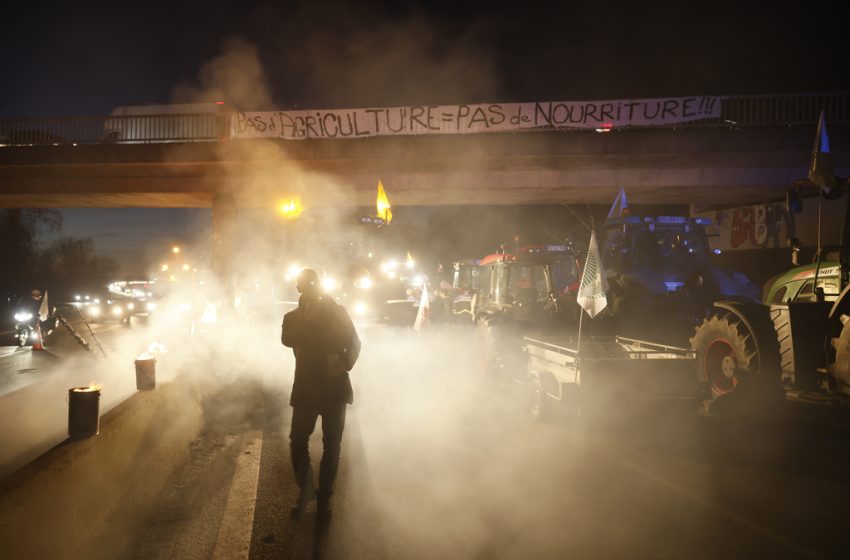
x: 112, y: 129
x: 788, y: 109
x: 736, y: 111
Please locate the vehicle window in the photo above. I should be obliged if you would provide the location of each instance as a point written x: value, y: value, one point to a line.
x: 564, y: 273
x: 806, y: 293
x: 484, y: 279
x: 779, y: 295
x: 528, y: 283
x: 830, y: 290
x: 668, y: 248
x: 501, y: 277
x: 466, y: 279
x: 541, y: 285
x: 614, y: 248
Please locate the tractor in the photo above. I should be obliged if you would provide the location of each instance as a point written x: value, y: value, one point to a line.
x: 518, y: 295
x: 795, y: 342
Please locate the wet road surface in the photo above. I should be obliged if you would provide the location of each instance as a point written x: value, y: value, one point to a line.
x: 435, y: 465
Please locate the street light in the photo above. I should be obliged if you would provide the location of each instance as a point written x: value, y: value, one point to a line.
x: 291, y: 209
x: 175, y: 249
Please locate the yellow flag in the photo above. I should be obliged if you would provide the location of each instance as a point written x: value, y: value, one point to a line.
x: 384, y: 210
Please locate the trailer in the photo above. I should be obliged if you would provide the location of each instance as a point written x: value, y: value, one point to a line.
x: 607, y: 378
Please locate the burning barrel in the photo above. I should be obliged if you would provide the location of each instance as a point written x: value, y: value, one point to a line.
x: 145, y: 374
x: 83, y: 411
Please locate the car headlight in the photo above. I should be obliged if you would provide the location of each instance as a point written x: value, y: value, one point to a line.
x: 94, y: 311
x: 364, y: 283
x: 117, y: 310
x: 131, y: 306
x: 329, y: 284
x: 21, y: 317
x: 360, y: 308
x: 292, y: 272
x: 150, y: 306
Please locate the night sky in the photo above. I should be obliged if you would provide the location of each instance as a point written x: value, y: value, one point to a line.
x: 90, y: 57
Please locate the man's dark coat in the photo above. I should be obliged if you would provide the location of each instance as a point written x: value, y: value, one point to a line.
x: 316, y: 331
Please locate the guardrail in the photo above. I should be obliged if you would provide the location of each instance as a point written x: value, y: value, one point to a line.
x: 134, y: 129
x: 736, y: 111
x: 788, y: 110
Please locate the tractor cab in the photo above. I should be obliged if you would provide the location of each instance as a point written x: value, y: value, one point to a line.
x: 662, y: 251
x: 516, y: 288
x: 563, y: 265
x: 464, y: 287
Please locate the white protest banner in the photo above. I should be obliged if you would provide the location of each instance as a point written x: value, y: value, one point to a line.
x: 472, y: 119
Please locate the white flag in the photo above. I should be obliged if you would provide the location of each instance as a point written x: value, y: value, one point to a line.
x: 43, y: 311
x: 591, y: 292
x: 423, y: 316
x: 620, y: 207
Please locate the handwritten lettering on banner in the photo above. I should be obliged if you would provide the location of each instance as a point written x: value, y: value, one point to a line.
x: 471, y: 119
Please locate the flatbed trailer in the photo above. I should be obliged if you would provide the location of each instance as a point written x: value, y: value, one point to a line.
x: 607, y: 377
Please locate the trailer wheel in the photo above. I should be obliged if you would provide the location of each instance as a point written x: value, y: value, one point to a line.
x: 538, y: 402
x: 839, y: 368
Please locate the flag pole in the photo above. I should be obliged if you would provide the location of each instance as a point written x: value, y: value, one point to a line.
x: 578, y: 344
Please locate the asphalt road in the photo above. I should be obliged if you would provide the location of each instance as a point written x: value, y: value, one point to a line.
x: 21, y: 366
x: 34, y: 385
x: 435, y: 466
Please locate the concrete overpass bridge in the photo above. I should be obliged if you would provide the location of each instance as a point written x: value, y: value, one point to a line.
x: 752, y: 153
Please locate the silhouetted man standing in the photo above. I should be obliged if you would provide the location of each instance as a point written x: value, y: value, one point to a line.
x: 326, y: 346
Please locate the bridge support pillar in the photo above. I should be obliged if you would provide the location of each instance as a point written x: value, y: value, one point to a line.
x: 223, y: 241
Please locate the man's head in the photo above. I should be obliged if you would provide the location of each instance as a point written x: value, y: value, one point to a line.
x: 307, y: 282
x: 36, y: 294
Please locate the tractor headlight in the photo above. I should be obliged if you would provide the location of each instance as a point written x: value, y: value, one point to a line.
x: 94, y: 311
x: 117, y: 310
x: 131, y: 306
x: 360, y: 309
x: 150, y: 306
x: 22, y: 317
x: 329, y: 284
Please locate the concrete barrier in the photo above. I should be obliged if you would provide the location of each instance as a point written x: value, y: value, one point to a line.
x: 63, y: 504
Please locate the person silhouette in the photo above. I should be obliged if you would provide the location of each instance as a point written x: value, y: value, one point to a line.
x: 326, y: 346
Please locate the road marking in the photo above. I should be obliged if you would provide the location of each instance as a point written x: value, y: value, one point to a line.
x: 234, y: 535
x: 12, y: 353
x: 751, y: 524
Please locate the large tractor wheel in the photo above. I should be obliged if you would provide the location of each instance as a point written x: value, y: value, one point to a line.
x: 489, y: 336
x: 734, y: 351
x: 839, y: 368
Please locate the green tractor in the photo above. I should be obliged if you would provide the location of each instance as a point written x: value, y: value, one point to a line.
x: 797, y: 341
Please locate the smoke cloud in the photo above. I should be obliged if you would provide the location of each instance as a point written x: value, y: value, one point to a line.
x: 235, y: 76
